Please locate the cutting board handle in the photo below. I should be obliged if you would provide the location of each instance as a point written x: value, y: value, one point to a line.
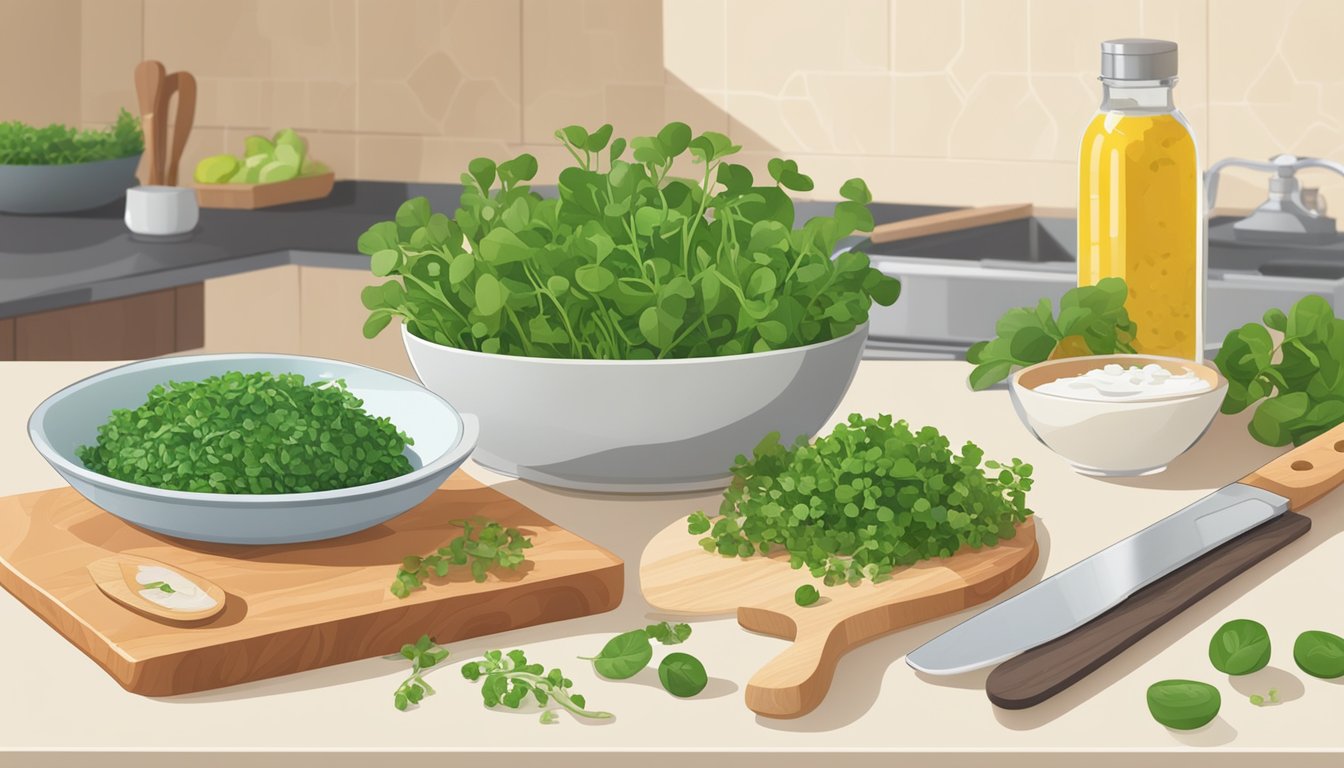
x: 794, y: 682
x: 1305, y: 473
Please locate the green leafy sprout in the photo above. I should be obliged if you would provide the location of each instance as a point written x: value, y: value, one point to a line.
x: 1092, y: 320
x: 630, y: 262
x: 423, y: 654
x: 482, y: 546
x: 508, y: 679
x: 629, y: 652
x: 23, y: 144
x: 1302, y: 394
x: 871, y: 496
x: 248, y: 433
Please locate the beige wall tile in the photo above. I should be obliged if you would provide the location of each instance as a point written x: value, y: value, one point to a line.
x: 332, y: 320
x: 40, y: 63
x: 925, y: 36
x: 924, y: 107
x: 232, y: 322
x: 995, y: 38
x: 1006, y: 119
x: 110, y: 43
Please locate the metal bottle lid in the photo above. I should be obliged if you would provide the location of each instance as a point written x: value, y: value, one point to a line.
x: 1135, y: 58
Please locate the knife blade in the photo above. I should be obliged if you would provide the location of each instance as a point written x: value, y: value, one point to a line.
x: 1090, y: 587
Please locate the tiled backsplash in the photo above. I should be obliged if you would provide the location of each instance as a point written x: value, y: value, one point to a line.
x: 944, y: 101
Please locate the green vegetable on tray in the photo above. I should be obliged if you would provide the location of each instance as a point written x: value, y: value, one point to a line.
x: 869, y: 497
x: 1183, y: 704
x: 630, y: 262
x: 265, y: 161
x: 422, y: 654
x: 483, y: 545
x: 248, y: 433
x: 22, y: 144
x: 1320, y: 654
x: 508, y: 679
x: 1092, y: 321
x: 1240, y: 647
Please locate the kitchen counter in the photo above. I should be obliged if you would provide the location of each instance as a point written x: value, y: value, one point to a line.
x: 62, y: 260
x: 58, y: 702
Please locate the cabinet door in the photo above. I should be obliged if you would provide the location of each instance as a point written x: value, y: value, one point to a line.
x: 333, y: 320
x: 130, y: 328
x: 253, y: 312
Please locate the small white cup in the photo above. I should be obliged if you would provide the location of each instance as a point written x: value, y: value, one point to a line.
x: 159, y: 210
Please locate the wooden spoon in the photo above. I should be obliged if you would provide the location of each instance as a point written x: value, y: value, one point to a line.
x: 116, y: 577
x: 149, y: 87
x: 184, y: 85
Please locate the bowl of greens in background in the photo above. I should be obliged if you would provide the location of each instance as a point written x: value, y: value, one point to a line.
x: 67, y: 424
x: 641, y: 330
x: 58, y: 168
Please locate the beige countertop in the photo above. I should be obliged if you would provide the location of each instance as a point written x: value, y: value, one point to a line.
x: 55, y: 700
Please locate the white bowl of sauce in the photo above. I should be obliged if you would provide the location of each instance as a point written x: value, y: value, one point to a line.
x: 1118, y: 415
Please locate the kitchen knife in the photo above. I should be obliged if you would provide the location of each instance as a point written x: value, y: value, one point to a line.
x: 1087, y: 589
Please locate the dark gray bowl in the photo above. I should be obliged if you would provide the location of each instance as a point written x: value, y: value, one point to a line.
x: 63, y: 188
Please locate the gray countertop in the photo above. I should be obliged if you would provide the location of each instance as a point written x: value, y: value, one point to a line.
x: 56, y: 261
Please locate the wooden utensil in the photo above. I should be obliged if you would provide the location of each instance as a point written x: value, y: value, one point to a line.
x: 949, y: 221
x: 291, y: 607
x: 150, y: 89
x: 1302, y: 475
x: 116, y: 577
x: 184, y: 85
x: 676, y: 575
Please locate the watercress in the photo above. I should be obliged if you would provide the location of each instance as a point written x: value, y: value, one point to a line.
x: 480, y: 548
x: 682, y: 675
x: 508, y: 679
x: 423, y: 654
x: 870, y: 496
x: 806, y: 595
x: 1092, y: 321
x: 629, y: 262
x: 627, y: 653
x: 1302, y: 394
x: 23, y: 144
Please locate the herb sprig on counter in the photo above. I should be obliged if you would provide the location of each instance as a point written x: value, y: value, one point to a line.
x: 482, y: 546
x: 423, y: 654
x: 1302, y: 394
x: 508, y: 679
x: 248, y: 433
x: 1092, y: 321
x: 630, y: 262
x: 869, y: 497
x: 627, y: 653
x: 55, y: 144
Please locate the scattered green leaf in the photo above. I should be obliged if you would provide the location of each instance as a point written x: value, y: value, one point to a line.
x: 623, y: 656
x: 422, y: 654
x: 1240, y: 647
x: 508, y: 679
x: 682, y: 675
x: 1183, y: 704
x: 162, y: 586
x: 483, y: 545
x: 806, y: 595
x: 1320, y: 654
x: 1260, y: 701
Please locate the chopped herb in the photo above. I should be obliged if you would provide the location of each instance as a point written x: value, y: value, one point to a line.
x: 482, y: 546
x: 509, y: 679
x: 23, y: 144
x: 422, y: 654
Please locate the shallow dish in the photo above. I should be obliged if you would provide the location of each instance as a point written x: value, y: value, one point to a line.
x: 70, y: 418
x: 65, y: 188
x: 1116, y: 438
x: 637, y: 426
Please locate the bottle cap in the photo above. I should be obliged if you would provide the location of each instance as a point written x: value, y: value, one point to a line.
x: 1134, y: 58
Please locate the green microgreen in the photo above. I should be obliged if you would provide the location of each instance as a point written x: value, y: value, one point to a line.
x: 1298, y: 381
x: 23, y: 144
x: 508, y: 679
x: 629, y: 652
x: 423, y: 654
x: 481, y: 546
x: 629, y: 262
x: 162, y: 586
x: 867, y: 498
x: 248, y: 433
x: 1092, y: 321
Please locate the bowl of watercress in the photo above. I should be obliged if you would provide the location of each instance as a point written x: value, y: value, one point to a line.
x: 640, y: 330
x: 56, y: 169
x: 251, y: 449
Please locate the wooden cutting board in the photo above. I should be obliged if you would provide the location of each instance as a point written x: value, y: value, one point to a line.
x: 291, y: 607
x: 676, y: 575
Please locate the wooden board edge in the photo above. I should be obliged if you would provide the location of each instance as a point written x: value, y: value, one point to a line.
x: 254, y: 196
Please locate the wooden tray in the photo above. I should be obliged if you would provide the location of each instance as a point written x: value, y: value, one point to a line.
x: 676, y: 575
x: 252, y: 196
x: 291, y: 607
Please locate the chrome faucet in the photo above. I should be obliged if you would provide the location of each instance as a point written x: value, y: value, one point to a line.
x: 1291, y: 214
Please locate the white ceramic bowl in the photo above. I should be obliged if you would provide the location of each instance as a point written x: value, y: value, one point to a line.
x: 636, y: 425
x: 159, y: 210
x: 70, y: 418
x: 1116, y: 438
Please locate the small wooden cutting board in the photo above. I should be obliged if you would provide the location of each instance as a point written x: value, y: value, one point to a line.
x: 290, y: 607
x: 676, y: 575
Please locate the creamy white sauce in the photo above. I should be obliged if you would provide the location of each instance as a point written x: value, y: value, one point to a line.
x: 1117, y: 383
x: 186, y: 596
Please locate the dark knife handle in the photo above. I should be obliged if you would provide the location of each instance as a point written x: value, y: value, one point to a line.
x: 1034, y: 676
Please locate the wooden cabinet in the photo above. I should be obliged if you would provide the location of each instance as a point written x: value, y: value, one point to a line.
x: 129, y: 328
x: 254, y: 312
x: 332, y: 320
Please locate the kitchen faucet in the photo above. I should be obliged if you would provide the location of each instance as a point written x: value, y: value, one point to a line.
x: 1291, y: 214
